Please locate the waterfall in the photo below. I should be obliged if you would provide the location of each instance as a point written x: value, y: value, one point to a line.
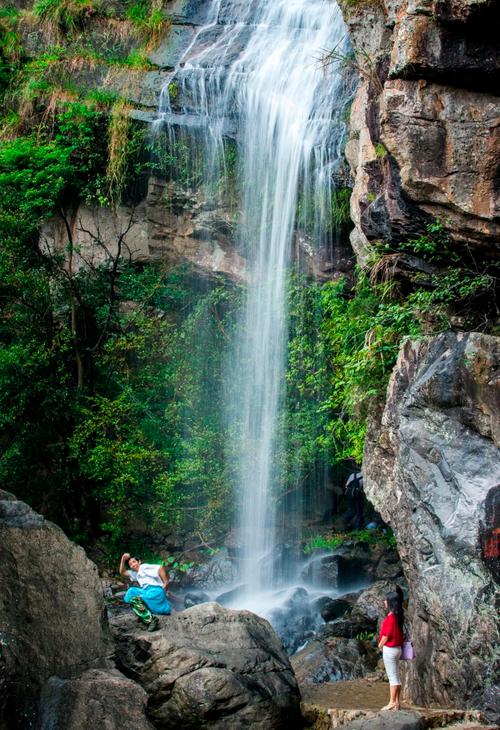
x: 254, y: 72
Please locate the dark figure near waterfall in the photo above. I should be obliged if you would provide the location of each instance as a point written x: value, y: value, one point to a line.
x: 354, y: 492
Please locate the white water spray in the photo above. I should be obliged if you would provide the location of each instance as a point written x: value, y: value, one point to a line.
x: 256, y: 70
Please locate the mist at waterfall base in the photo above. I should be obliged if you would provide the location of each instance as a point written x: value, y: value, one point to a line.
x: 252, y: 74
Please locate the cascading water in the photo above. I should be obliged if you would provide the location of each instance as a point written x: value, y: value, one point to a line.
x: 254, y: 72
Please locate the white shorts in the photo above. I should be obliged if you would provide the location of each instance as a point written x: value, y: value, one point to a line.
x: 392, y: 655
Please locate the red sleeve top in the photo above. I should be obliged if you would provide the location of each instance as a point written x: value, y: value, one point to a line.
x: 391, y: 629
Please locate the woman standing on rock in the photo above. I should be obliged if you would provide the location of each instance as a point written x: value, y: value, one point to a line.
x: 151, y: 597
x: 390, y: 642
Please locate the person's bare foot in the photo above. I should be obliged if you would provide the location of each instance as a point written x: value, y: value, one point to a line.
x: 390, y: 706
x: 394, y: 707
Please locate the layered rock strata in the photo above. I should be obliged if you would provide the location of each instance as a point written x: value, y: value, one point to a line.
x: 425, y: 124
x: 170, y: 224
x: 432, y: 469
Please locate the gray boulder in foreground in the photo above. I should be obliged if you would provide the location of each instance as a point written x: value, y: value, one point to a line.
x: 52, y: 618
x: 210, y: 667
x: 96, y: 699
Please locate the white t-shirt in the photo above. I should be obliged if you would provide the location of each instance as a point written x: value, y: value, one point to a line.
x: 147, y: 575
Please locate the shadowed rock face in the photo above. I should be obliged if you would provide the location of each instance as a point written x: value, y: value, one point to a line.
x: 424, y: 140
x: 170, y: 224
x: 96, y: 699
x: 432, y: 469
x: 210, y: 667
x: 51, y: 609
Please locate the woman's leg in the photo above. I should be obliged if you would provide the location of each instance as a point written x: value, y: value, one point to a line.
x: 391, y: 657
x: 395, y: 690
x: 132, y: 593
x: 156, y: 599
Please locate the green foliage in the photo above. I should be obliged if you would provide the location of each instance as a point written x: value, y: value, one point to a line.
x: 66, y: 15
x: 173, y: 90
x: 178, y: 159
x: 341, y: 200
x: 10, y: 46
x: 138, y: 59
x: 148, y: 18
x: 105, y: 365
x: 434, y: 245
x: 335, y: 211
x: 455, y: 284
x: 181, y: 566
x: 367, y: 537
x: 380, y: 150
x: 365, y: 636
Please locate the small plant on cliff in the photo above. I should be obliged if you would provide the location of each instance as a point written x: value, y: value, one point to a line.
x: 10, y: 45
x: 66, y: 16
x: 173, y: 90
x: 453, y: 285
x: 119, y: 130
x: 356, y: 7
x: 368, y: 537
x: 360, y: 61
x: 341, y: 200
x: 149, y: 19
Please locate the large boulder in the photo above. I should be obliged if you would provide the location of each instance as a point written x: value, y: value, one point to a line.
x: 96, y: 699
x: 210, y: 667
x: 52, y: 619
x: 370, y: 602
x: 432, y: 469
x: 328, y: 659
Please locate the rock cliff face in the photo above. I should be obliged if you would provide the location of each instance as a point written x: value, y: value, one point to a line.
x: 170, y: 224
x: 432, y: 469
x: 423, y: 146
x: 173, y: 220
x: 425, y: 121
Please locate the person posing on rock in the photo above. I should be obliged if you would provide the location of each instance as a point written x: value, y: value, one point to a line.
x: 151, y: 597
x: 390, y: 642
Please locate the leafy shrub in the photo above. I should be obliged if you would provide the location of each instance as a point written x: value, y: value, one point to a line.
x: 368, y: 537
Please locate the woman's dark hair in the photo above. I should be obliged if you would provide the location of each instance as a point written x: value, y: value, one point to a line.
x: 132, y: 557
x: 395, y: 604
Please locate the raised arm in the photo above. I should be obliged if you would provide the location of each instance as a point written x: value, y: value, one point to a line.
x: 164, y: 577
x: 123, y: 567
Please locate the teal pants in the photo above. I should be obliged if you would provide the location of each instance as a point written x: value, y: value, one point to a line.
x: 153, y: 596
